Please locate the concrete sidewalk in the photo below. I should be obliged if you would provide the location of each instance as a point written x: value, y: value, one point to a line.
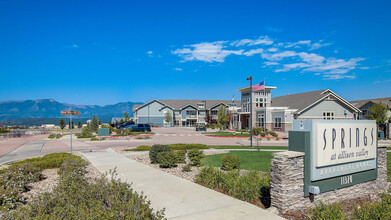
x: 27, y: 150
x: 182, y: 199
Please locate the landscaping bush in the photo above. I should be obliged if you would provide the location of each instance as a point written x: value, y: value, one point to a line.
x: 268, y: 138
x: 86, y: 131
x: 49, y: 161
x: 143, y: 138
x: 250, y: 186
x: 180, y: 156
x: 274, y: 134
x: 79, y: 197
x: 97, y: 139
x: 230, y: 162
x: 187, y: 146
x: 58, y: 136
x: 376, y: 210
x: 86, y: 136
x: 13, y: 182
x: 3, y: 130
x: 155, y: 150
x: 167, y: 159
x: 327, y: 211
x: 195, y: 156
x: 51, y: 136
x: 140, y: 148
x: 186, y: 168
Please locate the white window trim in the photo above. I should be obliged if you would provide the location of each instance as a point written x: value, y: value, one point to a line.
x: 275, y: 122
x: 330, y: 117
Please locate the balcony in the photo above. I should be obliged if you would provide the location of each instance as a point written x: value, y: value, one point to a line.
x: 191, y: 116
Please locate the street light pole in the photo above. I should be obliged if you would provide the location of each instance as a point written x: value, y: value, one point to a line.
x: 251, y: 110
x: 205, y: 115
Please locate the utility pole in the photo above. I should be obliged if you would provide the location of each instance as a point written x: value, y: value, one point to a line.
x: 205, y: 115
x: 251, y: 110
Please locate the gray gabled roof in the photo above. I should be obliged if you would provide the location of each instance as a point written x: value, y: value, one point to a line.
x: 176, y: 104
x: 361, y: 103
x: 302, y: 101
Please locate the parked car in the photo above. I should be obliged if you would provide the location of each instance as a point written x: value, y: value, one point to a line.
x: 200, y: 127
x: 125, y: 124
x: 140, y: 127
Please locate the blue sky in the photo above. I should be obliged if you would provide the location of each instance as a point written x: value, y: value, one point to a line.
x: 104, y: 52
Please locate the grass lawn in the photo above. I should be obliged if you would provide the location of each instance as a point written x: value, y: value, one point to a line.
x: 247, y: 147
x: 250, y: 160
x: 228, y: 134
x: 389, y: 166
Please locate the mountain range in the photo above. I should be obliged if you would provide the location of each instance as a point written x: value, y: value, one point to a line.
x: 50, y: 108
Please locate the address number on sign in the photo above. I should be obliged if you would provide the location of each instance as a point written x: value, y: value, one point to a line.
x: 346, y: 179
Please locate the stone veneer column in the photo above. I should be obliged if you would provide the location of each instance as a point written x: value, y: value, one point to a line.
x: 287, y: 182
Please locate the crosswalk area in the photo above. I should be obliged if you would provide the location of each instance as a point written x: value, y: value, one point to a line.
x: 178, y: 135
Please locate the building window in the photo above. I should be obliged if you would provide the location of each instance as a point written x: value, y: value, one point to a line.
x: 328, y: 115
x: 201, y: 105
x: 277, y: 122
x: 364, y: 112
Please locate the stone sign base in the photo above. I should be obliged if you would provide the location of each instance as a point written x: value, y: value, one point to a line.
x: 287, y: 183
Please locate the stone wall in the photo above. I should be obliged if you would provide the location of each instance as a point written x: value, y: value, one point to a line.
x: 287, y: 183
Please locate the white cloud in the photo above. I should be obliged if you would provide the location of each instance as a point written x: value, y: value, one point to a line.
x: 318, y: 45
x: 75, y: 46
x: 382, y: 81
x: 265, y: 40
x: 254, y: 51
x: 178, y: 69
x: 275, y: 56
x: 268, y: 63
x: 208, y: 52
x: 338, y: 76
x: 301, y: 42
x: 150, y: 53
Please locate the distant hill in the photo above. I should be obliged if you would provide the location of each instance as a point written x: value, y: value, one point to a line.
x: 50, y: 109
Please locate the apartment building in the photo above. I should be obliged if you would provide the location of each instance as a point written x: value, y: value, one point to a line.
x: 184, y: 113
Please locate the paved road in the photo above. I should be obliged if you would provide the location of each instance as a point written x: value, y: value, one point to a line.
x: 181, y: 198
x: 20, y: 148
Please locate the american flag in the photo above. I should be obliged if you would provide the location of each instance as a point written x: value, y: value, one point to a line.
x: 233, y: 98
x: 258, y: 87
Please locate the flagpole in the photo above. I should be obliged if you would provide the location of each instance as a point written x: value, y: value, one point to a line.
x: 264, y: 104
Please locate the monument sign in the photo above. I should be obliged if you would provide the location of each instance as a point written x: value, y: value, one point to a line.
x: 338, y: 153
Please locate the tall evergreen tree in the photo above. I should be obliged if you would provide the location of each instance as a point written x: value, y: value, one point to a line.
x: 94, y: 124
x: 126, y: 116
x: 79, y: 125
x: 62, y: 123
x: 69, y: 124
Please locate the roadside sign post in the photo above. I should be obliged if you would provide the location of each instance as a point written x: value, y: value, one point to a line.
x: 70, y: 121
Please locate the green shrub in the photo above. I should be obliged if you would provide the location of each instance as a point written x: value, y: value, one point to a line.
x: 263, y: 134
x: 51, y: 136
x: 268, y: 138
x: 58, y: 136
x: 230, y: 162
x: 79, y: 197
x: 327, y: 211
x: 155, y: 150
x: 143, y: 138
x: 86, y: 136
x: 13, y: 182
x: 167, y: 159
x: 187, y: 146
x: 274, y: 134
x: 277, y: 138
x: 376, y: 210
x: 186, y: 168
x: 49, y: 161
x: 180, y: 156
x: 140, y: 148
x: 3, y: 130
x: 250, y: 186
x: 195, y: 156
x: 86, y: 131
